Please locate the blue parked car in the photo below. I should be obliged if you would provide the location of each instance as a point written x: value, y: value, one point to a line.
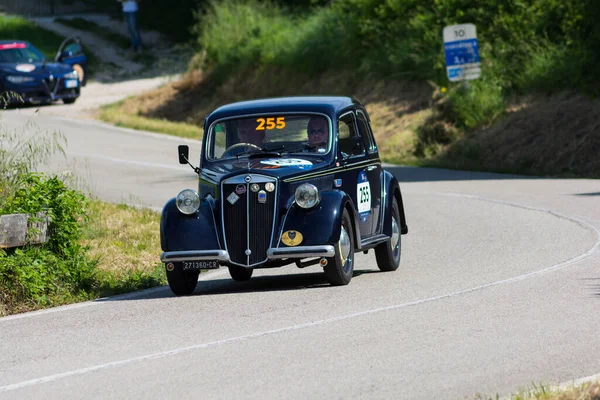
x: 294, y: 180
x: 27, y: 77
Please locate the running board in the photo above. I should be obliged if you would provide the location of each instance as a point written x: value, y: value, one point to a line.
x: 373, y: 241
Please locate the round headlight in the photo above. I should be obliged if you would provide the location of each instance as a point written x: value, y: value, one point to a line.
x: 307, y: 195
x: 188, y: 201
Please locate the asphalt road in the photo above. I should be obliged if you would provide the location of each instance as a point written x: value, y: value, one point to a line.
x: 499, y: 287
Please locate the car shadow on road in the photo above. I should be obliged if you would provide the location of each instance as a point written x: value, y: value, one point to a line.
x: 587, y: 194
x: 223, y: 286
x: 420, y: 174
x: 593, y: 285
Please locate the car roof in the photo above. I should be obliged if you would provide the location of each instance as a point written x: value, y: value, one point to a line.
x: 329, y: 105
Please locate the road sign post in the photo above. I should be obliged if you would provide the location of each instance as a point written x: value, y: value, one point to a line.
x: 462, y: 52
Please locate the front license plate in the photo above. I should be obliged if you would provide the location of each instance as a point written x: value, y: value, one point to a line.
x: 200, y: 265
x: 71, y: 83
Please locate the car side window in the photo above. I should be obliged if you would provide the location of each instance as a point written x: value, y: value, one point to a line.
x: 220, y: 139
x: 348, y: 137
x: 365, y: 131
x: 72, y: 49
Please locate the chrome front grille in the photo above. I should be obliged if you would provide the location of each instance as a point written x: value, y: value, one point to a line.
x: 247, y: 223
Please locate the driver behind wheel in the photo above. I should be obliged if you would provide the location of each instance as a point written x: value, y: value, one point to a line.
x: 248, y: 133
x: 318, y: 134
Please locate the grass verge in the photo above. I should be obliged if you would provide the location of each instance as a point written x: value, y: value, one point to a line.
x: 120, y: 115
x: 125, y: 243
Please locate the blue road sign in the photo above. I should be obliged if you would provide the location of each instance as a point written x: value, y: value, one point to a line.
x: 462, y: 52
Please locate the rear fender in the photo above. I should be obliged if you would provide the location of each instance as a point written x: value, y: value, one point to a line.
x: 180, y: 232
x: 322, y: 224
x: 393, y: 193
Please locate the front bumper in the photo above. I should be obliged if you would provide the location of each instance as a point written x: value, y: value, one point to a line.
x: 39, y: 91
x: 272, y: 254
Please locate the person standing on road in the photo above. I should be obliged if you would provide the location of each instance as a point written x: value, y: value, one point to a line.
x: 130, y: 10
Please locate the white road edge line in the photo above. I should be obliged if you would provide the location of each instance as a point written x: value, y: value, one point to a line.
x: 113, y: 364
x: 103, y: 300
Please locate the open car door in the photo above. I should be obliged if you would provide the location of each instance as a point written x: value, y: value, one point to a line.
x: 71, y: 52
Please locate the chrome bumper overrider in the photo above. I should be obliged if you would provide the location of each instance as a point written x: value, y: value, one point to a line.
x: 272, y: 254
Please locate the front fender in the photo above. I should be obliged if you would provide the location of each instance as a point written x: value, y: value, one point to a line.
x: 188, y: 232
x: 393, y: 193
x: 321, y: 225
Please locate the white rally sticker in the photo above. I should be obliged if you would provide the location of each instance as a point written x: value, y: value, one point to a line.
x: 289, y: 162
x: 363, y: 196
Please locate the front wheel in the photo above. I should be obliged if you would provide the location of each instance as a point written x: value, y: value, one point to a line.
x: 388, y: 253
x: 69, y: 101
x: 340, y: 267
x: 240, y: 273
x: 181, y: 282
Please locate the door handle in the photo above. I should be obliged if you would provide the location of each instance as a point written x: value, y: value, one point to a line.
x: 371, y: 167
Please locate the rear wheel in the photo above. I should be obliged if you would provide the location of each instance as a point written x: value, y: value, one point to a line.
x: 388, y: 253
x: 240, y: 273
x: 181, y: 282
x: 340, y: 267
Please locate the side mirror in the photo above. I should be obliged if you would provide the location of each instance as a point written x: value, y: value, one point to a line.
x: 184, y: 153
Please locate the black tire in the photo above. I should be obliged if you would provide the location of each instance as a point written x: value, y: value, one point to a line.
x: 69, y: 101
x: 340, y: 267
x: 240, y: 274
x: 387, y: 254
x: 182, y: 282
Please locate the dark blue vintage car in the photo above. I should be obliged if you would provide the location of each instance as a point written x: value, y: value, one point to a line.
x: 283, y: 181
x: 26, y: 77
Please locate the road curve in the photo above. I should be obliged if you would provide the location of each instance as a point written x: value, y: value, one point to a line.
x: 499, y: 286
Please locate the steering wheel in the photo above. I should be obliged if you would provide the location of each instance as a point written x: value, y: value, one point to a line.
x: 237, y: 145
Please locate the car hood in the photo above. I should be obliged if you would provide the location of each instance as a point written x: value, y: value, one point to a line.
x: 36, y: 69
x: 278, y: 167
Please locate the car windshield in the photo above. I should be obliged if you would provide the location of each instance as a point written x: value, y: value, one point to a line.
x: 276, y: 133
x: 19, y: 53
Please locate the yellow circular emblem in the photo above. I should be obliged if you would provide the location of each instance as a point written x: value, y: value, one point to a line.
x: 291, y: 238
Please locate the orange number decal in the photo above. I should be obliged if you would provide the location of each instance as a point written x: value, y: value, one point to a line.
x: 261, y: 124
x: 270, y: 123
x: 280, y: 123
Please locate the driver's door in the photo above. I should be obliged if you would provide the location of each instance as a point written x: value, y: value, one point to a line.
x: 354, y: 179
x: 71, y: 53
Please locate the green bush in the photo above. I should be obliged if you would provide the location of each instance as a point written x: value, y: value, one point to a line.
x: 476, y: 103
x: 59, y: 270
x: 65, y: 207
x: 238, y: 34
